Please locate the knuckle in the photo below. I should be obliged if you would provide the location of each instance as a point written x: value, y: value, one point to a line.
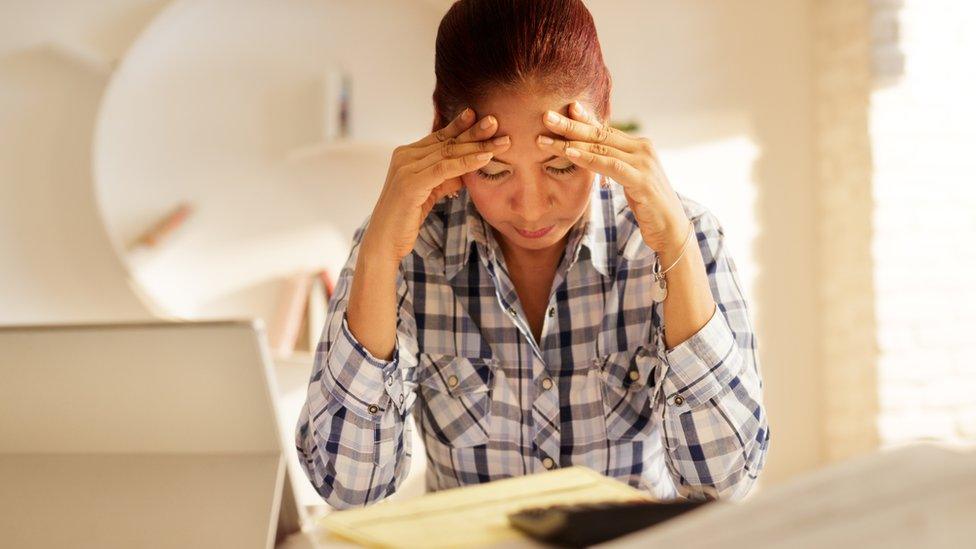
x: 616, y: 164
x: 439, y: 169
x: 397, y: 156
x: 440, y: 134
x: 646, y: 146
x: 599, y: 148
x: 450, y: 148
x: 602, y: 134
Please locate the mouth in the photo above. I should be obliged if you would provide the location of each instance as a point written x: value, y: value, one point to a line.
x: 536, y: 233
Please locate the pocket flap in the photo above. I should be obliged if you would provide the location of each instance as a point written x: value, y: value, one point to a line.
x: 455, y: 375
x: 628, y: 368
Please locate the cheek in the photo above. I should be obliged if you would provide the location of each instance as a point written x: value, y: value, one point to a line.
x: 488, y: 201
x: 578, y: 191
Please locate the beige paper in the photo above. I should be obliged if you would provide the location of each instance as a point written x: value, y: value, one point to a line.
x: 473, y: 515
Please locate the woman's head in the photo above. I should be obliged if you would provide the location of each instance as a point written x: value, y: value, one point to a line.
x: 516, y: 59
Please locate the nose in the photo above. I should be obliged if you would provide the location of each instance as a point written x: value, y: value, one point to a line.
x: 532, y: 201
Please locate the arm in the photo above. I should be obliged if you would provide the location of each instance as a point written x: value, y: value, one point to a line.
x: 350, y: 434
x: 716, y: 432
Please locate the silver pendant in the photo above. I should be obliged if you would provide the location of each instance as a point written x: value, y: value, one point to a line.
x: 659, y: 288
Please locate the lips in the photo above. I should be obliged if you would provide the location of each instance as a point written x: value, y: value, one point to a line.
x: 535, y: 234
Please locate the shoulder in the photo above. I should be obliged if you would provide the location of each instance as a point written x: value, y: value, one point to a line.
x: 432, y: 236
x: 704, y: 219
x: 626, y: 222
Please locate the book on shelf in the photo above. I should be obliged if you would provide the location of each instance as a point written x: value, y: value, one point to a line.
x: 164, y: 227
x: 299, y: 319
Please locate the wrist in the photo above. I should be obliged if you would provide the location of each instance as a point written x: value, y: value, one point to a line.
x: 374, y: 251
x: 680, y: 237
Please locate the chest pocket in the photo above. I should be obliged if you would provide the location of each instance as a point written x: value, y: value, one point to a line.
x: 627, y: 389
x: 457, y: 397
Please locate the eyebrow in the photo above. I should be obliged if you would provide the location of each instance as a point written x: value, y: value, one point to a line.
x: 496, y: 159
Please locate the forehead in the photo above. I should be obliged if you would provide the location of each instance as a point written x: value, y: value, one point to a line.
x: 519, y: 113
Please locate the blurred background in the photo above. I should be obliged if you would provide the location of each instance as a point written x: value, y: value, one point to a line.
x: 196, y: 159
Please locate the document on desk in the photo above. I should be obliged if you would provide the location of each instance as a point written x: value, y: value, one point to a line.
x: 473, y: 515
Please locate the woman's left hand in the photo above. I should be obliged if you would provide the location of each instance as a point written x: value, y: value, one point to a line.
x: 630, y: 161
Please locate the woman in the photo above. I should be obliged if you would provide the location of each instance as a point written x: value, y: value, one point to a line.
x: 511, y: 303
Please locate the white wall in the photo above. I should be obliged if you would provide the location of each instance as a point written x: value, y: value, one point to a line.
x: 712, y: 82
x: 57, y: 265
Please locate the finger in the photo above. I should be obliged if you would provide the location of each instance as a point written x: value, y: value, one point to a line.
x: 447, y: 168
x: 582, y: 131
x: 577, y: 111
x: 614, y: 168
x: 485, y: 128
x: 454, y: 149
x: 559, y: 146
x: 460, y: 123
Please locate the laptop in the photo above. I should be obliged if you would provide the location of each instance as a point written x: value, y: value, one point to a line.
x: 159, y: 434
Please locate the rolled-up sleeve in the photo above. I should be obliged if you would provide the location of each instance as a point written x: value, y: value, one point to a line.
x: 352, y: 435
x: 715, y: 426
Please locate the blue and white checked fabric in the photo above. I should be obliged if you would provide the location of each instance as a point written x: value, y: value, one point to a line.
x: 600, y: 390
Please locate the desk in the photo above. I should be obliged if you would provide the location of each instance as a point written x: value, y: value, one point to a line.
x: 916, y: 496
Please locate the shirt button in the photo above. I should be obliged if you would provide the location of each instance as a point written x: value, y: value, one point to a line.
x: 373, y: 408
x: 511, y: 311
x: 548, y: 463
x: 552, y: 312
x: 633, y: 375
x: 679, y: 400
x: 452, y: 381
x: 401, y: 398
x: 389, y: 380
x: 547, y: 383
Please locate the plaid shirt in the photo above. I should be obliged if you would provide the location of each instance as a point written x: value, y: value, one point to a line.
x: 601, y: 390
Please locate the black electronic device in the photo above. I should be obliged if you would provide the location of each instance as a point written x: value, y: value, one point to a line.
x: 582, y: 525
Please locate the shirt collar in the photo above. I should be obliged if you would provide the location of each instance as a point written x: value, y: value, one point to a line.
x: 464, y: 226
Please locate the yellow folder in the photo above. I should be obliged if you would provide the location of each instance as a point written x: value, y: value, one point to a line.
x: 473, y: 515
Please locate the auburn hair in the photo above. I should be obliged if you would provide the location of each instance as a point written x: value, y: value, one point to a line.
x: 545, y: 46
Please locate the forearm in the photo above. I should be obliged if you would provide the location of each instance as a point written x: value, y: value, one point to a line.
x: 351, y: 435
x: 372, y: 309
x: 689, y: 303
x: 715, y: 425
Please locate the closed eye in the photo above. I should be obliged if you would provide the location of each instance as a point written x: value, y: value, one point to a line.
x: 563, y: 171
x: 556, y: 171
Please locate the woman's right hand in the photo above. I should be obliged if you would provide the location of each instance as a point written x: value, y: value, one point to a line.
x: 422, y: 173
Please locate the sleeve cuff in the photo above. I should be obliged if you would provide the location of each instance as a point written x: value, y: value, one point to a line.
x: 702, y: 366
x: 362, y: 383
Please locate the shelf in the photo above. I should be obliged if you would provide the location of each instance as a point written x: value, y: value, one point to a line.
x: 339, y: 147
x: 297, y: 358
x: 83, y: 55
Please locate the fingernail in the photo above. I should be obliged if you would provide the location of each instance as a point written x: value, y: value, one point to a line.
x: 571, y: 152
x: 578, y: 107
x: 545, y: 140
x: 486, y: 123
x: 484, y: 156
x: 552, y: 117
x: 466, y: 114
x: 503, y: 140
